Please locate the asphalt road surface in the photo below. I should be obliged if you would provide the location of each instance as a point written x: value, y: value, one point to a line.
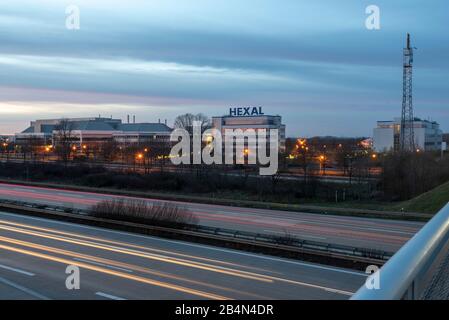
x: 381, y: 234
x: 35, y: 252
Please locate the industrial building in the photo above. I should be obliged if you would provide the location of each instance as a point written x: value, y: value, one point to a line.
x: 88, y: 131
x: 250, y: 118
x: 427, y: 135
x: 6, y: 138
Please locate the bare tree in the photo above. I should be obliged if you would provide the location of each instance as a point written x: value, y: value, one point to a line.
x: 109, y: 150
x: 31, y: 147
x: 186, y: 121
x: 64, y: 139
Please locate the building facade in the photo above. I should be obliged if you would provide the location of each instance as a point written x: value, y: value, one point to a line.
x: 427, y: 135
x: 246, y: 118
x: 93, y: 131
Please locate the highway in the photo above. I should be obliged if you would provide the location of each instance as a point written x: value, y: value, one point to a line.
x: 35, y: 252
x: 381, y: 234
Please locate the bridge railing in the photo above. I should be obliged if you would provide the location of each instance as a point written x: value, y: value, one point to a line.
x: 415, y: 268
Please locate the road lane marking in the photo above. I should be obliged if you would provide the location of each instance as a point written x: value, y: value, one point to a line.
x: 17, y: 270
x: 103, y: 264
x: 272, y: 279
x: 108, y: 296
x: 89, y: 258
x: 157, y: 257
x: 204, y: 247
x: 166, y: 285
x: 130, y: 245
x: 23, y: 289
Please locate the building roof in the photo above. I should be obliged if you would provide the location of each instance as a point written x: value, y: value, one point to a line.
x: 92, y: 125
x: 144, y: 127
x: 100, y: 124
x: 28, y: 130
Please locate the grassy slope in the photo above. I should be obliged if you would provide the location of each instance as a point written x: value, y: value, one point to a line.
x: 429, y: 202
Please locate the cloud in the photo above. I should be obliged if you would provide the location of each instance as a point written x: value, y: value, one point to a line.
x: 313, y: 58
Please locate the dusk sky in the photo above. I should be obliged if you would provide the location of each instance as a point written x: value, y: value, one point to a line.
x: 313, y: 62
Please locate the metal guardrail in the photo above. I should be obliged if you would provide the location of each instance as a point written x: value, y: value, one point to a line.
x: 412, y: 270
x: 295, y: 242
x: 277, y: 240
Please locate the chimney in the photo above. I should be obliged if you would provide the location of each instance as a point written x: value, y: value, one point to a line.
x: 134, y: 119
x: 128, y: 118
x: 165, y: 121
x: 159, y: 120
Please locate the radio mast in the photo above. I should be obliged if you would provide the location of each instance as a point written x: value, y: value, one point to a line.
x: 407, y: 136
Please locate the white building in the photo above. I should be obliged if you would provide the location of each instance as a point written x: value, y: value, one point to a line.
x: 245, y: 118
x: 428, y: 136
x: 95, y: 130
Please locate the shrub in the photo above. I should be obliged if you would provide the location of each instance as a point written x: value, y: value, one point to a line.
x: 140, y: 211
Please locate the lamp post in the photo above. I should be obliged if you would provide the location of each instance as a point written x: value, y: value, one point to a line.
x: 5, y: 146
x: 323, y: 164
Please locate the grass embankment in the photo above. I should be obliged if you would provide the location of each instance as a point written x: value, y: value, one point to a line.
x: 428, y: 202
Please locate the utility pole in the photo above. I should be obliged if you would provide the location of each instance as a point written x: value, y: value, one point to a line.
x: 407, y: 136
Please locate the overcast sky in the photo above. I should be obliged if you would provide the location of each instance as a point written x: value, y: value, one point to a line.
x: 313, y: 62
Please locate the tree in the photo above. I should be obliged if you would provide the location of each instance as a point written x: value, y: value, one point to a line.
x: 186, y: 121
x: 64, y: 139
x: 109, y: 150
x: 31, y: 147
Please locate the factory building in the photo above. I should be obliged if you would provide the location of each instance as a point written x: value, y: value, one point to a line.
x: 427, y: 135
x: 91, y: 131
x: 245, y: 118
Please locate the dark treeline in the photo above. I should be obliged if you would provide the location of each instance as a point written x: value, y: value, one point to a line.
x: 410, y: 174
x: 404, y: 176
x: 204, y: 181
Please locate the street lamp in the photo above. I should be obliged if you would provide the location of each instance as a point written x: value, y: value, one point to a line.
x: 323, y: 164
x: 5, y: 145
